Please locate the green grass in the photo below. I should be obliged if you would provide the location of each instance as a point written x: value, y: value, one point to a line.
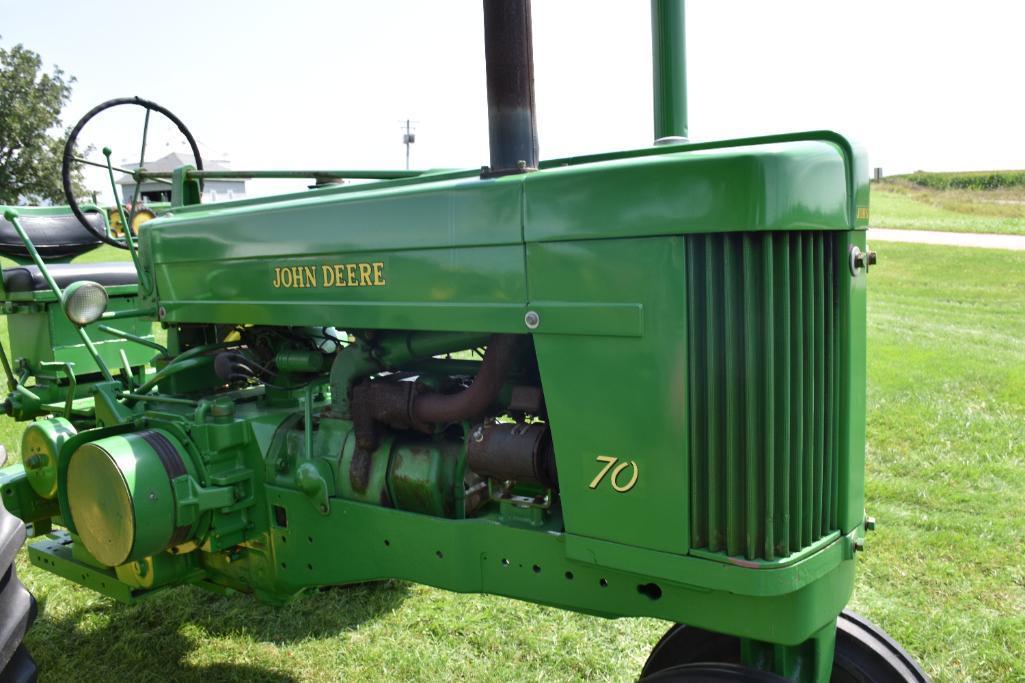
x: 103, y: 253
x: 944, y: 574
x: 946, y: 464
x: 900, y: 203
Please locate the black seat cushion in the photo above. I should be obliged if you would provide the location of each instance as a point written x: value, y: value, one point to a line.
x: 53, y: 236
x: 30, y: 279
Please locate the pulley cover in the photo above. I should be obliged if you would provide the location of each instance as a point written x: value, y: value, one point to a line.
x: 121, y: 498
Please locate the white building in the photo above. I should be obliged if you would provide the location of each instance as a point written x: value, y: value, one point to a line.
x: 156, y: 191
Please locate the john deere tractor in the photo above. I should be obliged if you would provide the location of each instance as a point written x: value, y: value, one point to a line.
x: 625, y: 384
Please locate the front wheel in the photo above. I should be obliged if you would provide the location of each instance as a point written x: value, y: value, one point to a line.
x: 703, y: 672
x: 863, y: 654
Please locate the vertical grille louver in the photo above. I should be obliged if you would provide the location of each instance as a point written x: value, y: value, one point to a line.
x: 764, y: 397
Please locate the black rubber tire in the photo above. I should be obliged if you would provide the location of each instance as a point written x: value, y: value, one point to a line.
x: 711, y: 672
x: 21, y: 668
x: 683, y: 644
x: 18, y: 608
x: 864, y: 653
x: 69, y: 148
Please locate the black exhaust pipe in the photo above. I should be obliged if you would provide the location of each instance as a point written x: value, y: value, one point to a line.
x: 509, y: 54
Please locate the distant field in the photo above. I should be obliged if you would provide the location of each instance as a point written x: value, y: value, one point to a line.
x: 991, y: 201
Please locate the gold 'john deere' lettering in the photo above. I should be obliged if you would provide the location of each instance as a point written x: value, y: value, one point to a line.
x: 617, y: 470
x: 330, y: 275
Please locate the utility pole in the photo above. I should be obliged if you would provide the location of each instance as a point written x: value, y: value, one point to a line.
x: 408, y: 138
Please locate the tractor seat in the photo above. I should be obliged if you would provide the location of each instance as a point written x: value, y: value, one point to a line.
x: 54, y: 236
x: 30, y: 279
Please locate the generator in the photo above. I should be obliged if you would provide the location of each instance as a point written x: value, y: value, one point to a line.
x: 625, y: 384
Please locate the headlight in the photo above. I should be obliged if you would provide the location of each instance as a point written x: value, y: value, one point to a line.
x: 84, y: 302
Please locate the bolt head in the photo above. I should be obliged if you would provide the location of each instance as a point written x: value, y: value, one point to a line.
x: 856, y: 260
x: 532, y: 320
x: 477, y: 434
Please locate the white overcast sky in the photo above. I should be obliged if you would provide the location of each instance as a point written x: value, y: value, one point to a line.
x: 923, y: 85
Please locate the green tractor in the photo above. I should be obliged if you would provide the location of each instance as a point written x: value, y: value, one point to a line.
x: 625, y: 384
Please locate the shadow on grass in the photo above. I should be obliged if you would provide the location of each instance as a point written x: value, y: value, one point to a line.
x: 168, y: 637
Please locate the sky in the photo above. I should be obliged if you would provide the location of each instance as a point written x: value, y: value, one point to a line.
x: 921, y: 85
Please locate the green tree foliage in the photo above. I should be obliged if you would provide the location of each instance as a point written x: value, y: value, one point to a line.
x: 31, y: 140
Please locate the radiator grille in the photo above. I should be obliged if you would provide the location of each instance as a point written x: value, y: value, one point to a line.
x: 764, y: 370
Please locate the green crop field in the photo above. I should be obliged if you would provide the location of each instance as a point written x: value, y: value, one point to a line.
x: 944, y: 573
x: 951, y: 202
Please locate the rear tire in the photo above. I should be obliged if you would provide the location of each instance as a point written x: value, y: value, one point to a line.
x: 864, y: 653
x: 17, y: 606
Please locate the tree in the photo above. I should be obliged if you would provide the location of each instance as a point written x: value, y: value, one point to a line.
x: 31, y: 139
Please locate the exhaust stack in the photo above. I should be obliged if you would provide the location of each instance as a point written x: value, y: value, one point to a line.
x: 509, y: 53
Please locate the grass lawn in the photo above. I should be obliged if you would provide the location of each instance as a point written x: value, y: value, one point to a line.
x: 900, y: 204
x: 944, y: 574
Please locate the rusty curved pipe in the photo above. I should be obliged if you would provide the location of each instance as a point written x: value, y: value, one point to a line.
x: 475, y: 399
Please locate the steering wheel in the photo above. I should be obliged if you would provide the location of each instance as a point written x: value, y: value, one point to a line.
x: 70, y: 158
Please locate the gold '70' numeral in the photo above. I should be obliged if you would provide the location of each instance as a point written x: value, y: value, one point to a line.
x: 617, y: 470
